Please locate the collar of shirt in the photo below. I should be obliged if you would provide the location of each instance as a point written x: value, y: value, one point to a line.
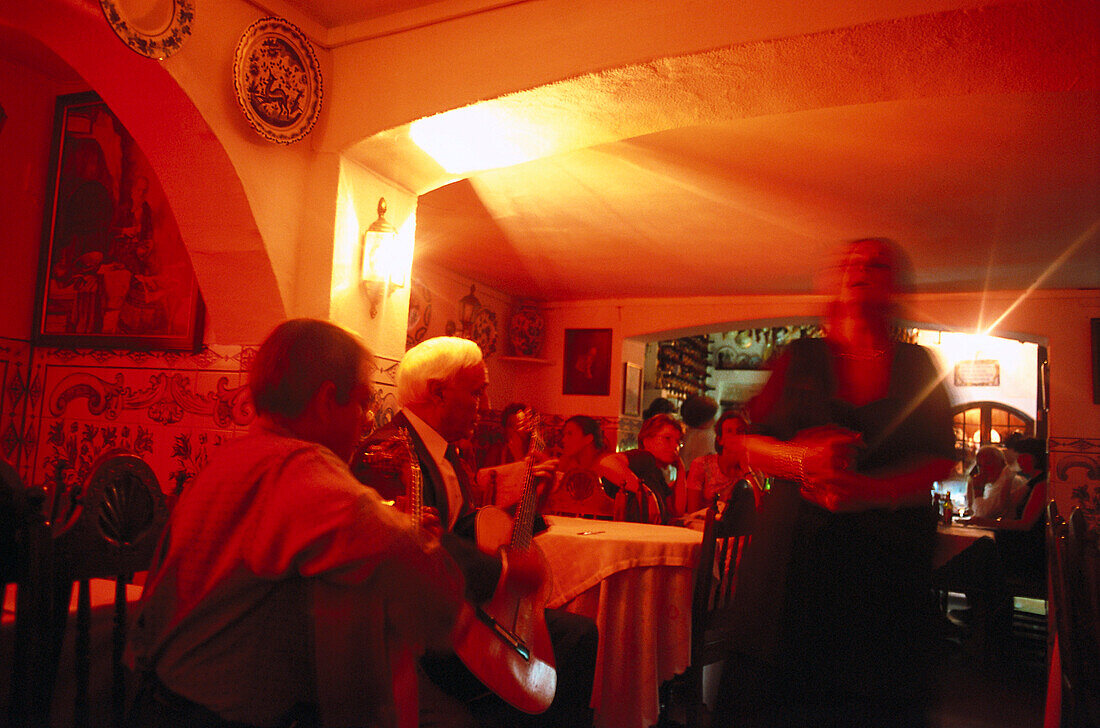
x: 437, y: 448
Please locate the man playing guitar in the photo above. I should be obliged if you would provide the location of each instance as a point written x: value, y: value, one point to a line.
x: 440, y: 385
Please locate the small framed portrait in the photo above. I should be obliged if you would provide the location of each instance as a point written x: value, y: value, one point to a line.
x: 113, y: 272
x: 587, y: 362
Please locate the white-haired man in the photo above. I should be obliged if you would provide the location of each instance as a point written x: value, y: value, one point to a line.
x: 227, y: 633
x: 441, y: 383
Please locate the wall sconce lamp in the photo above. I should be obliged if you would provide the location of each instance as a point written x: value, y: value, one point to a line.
x: 381, y: 259
x: 468, y: 306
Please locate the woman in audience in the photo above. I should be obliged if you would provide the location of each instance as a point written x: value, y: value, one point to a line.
x: 641, y: 491
x: 516, y: 422
x: 713, y: 475
x: 579, y: 491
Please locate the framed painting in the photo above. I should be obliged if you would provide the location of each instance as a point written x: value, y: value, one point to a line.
x: 113, y: 271
x: 1095, y: 360
x: 632, y: 390
x: 586, y: 366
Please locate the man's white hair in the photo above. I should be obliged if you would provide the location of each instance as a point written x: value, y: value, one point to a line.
x: 440, y: 358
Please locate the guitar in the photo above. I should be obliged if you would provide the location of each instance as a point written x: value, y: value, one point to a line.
x: 505, y: 642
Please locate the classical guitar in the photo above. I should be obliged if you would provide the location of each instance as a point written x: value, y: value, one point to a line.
x: 505, y: 642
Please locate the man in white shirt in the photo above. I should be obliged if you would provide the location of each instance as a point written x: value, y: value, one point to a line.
x: 993, y: 489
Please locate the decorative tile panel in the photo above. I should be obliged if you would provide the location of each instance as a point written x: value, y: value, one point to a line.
x: 171, y: 408
x: 15, y: 394
x: 1074, y: 470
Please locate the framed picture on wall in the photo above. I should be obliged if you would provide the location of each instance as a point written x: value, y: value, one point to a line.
x: 113, y: 270
x: 1095, y: 360
x: 632, y: 390
x: 586, y: 366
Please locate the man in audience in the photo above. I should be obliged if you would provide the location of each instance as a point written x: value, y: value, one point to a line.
x: 226, y: 632
x: 441, y: 383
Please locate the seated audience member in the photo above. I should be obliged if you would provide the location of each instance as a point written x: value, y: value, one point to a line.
x: 516, y: 421
x: 641, y: 492
x: 1019, y: 534
x: 698, y: 414
x: 440, y: 384
x: 503, y: 473
x: 578, y: 489
x: 993, y: 490
x: 715, y: 474
x: 1017, y: 550
x: 224, y: 634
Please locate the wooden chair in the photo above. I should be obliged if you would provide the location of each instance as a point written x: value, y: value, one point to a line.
x: 1081, y: 671
x: 19, y: 511
x: 111, y: 532
x: 712, y: 619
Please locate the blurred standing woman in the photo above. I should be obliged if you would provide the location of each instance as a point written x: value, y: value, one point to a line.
x: 855, y: 428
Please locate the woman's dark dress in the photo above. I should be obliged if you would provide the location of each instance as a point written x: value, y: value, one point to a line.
x: 843, y: 634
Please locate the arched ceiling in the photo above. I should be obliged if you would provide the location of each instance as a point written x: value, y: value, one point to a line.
x: 970, y: 136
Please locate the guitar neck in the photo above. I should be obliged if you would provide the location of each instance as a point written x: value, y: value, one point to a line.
x: 525, y: 513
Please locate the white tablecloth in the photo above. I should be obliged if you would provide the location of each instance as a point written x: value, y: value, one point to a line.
x: 953, y: 540
x: 635, y: 581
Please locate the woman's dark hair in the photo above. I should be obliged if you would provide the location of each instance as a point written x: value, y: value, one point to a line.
x: 698, y: 410
x: 726, y: 417
x: 654, y: 424
x: 1032, y: 446
x: 659, y: 406
x: 589, y: 426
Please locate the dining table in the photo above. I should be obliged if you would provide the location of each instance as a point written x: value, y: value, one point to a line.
x: 954, y: 538
x: 635, y: 581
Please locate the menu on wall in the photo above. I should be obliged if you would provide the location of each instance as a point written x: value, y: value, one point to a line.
x: 978, y: 373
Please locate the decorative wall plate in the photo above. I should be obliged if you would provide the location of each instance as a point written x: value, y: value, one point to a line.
x: 277, y: 80
x: 154, y: 29
x: 484, y: 331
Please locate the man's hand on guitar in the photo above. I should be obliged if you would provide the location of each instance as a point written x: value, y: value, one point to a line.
x: 526, y: 569
x: 543, y: 473
x: 430, y: 525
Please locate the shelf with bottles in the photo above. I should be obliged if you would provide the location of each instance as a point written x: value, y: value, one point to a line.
x: 682, y: 366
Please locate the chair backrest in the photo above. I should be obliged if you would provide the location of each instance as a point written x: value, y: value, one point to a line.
x: 109, y: 529
x: 13, y: 520
x: 725, y: 535
x: 17, y: 526
x: 1082, y: 574
x: 121, y: 517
